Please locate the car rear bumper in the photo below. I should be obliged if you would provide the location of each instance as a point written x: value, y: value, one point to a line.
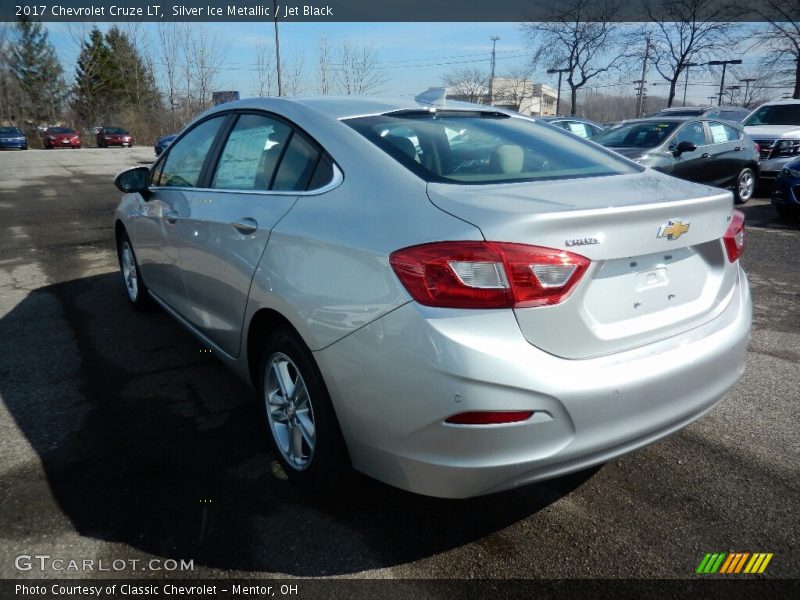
x: 407, y: 372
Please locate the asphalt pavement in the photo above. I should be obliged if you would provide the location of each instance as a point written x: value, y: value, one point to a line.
x: 122, y: 441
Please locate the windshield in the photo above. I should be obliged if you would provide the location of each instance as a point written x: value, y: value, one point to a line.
x: 114, y: 130
x: 776, y: 114
x: 10, y: 130
x: 60, y: 130
x: 637, y: 135
x: 482, y: 147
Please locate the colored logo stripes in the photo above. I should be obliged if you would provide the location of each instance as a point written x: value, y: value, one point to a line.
x: 734, y: 562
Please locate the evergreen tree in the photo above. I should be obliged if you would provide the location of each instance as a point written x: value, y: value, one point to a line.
x: 133, y: 84
x: 93, y: 91
x: 38, y: 73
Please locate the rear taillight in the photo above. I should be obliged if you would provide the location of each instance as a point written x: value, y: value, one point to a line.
x: 487, y: 274
x: 490, y: 417
x: 734, y: 237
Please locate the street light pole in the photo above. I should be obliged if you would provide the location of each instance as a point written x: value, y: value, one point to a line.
x: 724, y: 63
x: 558, y: 98
x: 494, y: 39
x: 686, y: 81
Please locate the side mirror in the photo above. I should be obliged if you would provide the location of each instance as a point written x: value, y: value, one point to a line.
x: 684, y: 147
x: 133, y: 180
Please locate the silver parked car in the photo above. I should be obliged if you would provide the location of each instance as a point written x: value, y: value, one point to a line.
x: 451, y: 298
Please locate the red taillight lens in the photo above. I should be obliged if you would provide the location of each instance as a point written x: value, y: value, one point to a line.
x: 487, y: 274
x: 734, y: 237
x: 494, y: 417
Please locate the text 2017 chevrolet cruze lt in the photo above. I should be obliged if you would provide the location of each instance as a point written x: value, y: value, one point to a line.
x: 451, y: 298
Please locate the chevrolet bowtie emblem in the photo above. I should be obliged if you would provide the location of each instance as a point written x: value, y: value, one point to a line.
x: 674, y: 229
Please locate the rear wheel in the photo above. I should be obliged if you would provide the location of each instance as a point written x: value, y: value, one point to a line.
x: 299, y: 414
x: 745, y: 186
x: 131, y: 278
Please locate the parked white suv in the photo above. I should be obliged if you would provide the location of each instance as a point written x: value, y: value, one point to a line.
x: 775, y: 127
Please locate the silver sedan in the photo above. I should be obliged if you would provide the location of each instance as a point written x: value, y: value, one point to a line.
x: 451, y: 298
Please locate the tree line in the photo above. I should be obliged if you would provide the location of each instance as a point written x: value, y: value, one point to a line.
x: 588, y: 45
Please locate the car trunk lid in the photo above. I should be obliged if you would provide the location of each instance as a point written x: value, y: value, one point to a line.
x: 658, y: 263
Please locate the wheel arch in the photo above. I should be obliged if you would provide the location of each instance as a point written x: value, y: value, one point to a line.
x: 264, y: 322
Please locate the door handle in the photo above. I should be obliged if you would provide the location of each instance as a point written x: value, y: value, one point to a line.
x: 705, y: 155
x: 245, y: 225
x: 171, y: 216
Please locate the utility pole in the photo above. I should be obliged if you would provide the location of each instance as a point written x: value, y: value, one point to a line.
x: 494, y: 39
x: 724, y: 63
x: 731, y: 89
x: 747, y: 82
x: 277, y: 47
x: 643, y: 80
x: 686, y: 81
x: 558, y: 98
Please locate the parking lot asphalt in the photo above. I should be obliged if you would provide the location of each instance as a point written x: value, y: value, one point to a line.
x: 122, y: 440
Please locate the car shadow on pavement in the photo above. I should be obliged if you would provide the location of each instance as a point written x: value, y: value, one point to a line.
x: 146, y: 440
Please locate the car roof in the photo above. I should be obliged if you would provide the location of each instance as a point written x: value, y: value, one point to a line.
x: 344, y: 107
x: 679, y: 119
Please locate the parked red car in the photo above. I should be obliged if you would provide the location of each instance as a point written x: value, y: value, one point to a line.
x: 61, y: 137
x: 114, y: 136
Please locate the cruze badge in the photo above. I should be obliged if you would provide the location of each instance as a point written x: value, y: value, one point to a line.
x: 585, y: 241
x: 674, y: 229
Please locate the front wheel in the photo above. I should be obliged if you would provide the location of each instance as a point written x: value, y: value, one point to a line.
x: 299, y: 414
x: 745, y: 186
x: 131, y: 277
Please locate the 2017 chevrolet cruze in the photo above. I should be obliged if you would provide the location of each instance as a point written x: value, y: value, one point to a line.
x: 451, y: 298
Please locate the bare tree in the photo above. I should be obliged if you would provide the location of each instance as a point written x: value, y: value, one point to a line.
x: 265, y: 61
x: 325, y: 79
x: 359, y: 70
x: 582, y: 38
x: 781, y: 40
x: 468, y: 83
x: 168, y: 51
x: 686, y: 31
x: 294, y: 76
x: 514, y: 89
x: 204, y: 55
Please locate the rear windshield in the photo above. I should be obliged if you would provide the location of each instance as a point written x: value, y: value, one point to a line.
x: 777, y: 114
x: 637, y: 135
x: 114, y: 130
x: 474, y: 147
x: 60, y: 130
x: 689, y: 112
x: 11, y: 130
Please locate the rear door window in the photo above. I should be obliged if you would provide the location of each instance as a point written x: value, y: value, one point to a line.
x: 297, y: 165
x: 251, y: 154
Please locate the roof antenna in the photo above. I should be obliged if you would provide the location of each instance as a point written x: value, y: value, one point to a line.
x: 434, y: 96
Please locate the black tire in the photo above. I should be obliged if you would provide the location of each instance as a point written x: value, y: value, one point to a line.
x: 135, y: 289
x: 318, y: 467
x: 784, y: 212
x: 745, y: 187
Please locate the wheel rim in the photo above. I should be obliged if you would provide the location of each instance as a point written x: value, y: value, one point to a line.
x: 129, y: 272
x: 289, y: 411
x: 746, y: 185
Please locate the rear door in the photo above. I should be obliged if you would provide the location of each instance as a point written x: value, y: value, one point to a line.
x: 728, y: 156
x: 258, y: 174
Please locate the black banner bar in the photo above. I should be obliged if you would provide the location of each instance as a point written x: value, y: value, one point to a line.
x: 378, y: 10
x: 732, y: 588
